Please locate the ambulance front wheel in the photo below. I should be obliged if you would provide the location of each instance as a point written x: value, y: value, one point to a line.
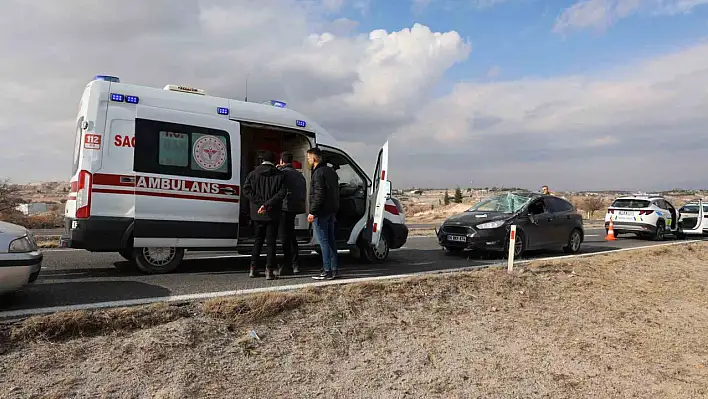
x: 158, y: 260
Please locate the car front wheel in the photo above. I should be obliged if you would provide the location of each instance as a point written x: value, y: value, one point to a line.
x: 376, y: 254
x: 519, y: 245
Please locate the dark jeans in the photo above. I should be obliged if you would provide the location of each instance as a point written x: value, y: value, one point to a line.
x: 265, y: 232
x: 324, y: 227
x: 288, y: 239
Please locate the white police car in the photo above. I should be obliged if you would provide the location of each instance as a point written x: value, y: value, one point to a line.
x: 649, y: 216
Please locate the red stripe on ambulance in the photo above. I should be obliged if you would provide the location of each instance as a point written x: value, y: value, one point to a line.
x: 171, y: 188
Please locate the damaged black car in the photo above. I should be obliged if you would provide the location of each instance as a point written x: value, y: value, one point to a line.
x: 542, y: 222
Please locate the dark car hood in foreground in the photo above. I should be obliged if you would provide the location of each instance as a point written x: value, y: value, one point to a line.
x: 474, y: 218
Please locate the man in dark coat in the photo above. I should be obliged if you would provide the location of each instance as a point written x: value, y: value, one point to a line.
x: 324, y: 204
x: 265, y: 190
x: 293, y: 205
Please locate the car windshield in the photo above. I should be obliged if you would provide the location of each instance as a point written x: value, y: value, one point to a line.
x: 630, y: 203
x: 505, y: 203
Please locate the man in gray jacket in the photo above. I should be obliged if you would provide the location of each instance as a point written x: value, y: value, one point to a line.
x: 293, y: 205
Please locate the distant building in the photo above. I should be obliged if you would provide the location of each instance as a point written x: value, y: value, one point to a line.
x: 33, y: 208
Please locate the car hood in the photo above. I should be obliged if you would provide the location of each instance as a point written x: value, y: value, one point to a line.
x: 475, y: 218
x: 9, y: 228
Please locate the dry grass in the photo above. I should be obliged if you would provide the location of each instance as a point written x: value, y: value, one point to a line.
x: 255, y: 308
x: 65, y: 325
x: 618, y: 325
x: 47, y: 242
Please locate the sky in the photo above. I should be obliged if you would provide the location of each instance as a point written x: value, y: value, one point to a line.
x: 578, y: 95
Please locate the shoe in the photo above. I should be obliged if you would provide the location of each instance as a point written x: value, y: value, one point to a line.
x: 269, y: 274
x: 333, y: 275
x: 253, y: 273
x: 296, y: 269
x: 282, y: 271
x: 323, y: 276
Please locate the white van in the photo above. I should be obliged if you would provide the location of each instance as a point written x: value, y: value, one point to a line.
x: 158, y: 171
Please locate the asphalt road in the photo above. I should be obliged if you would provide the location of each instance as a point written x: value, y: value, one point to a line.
x: 73, y: 277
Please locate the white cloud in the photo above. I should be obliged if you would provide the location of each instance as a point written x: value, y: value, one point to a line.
x: 600, y: 14
x: 361, y: 87
x: 642, y: 123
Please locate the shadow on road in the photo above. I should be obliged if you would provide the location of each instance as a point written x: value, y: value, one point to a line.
x: 72, y: 292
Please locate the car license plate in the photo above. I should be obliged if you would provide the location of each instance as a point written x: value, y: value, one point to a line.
x: 625, y: 213
x: 457, y: 238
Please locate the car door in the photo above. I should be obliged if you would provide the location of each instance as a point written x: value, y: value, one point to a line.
x: 353, y: 196
x: 673, y: 216
x: 187, y: 179
x: 380, y: 188
x: 562, y: 222
x: 664, y: 212
x: 539, y: 231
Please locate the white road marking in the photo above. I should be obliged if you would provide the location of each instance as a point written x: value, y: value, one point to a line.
x: 210, y: 295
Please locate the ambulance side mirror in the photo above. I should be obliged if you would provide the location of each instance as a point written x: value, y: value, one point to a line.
x: 387, y: 188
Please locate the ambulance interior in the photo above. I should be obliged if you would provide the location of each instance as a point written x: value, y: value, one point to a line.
x: 258, y: 138
x: 352, y: 184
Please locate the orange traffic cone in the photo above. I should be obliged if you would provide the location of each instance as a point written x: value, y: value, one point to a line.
x: 611, y: 232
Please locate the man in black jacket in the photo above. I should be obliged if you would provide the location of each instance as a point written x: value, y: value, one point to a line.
x: 293, y: 205
x: 324, y: 204
x: 265, y: 190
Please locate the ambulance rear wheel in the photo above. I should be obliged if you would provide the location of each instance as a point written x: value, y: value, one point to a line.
x: 158, y: 260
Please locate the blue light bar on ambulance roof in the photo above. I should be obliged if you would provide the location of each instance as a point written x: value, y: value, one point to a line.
x: 119, y: 98
x: 277, y: 103
x: 222, y: 111
x: 300, y: 123
x: 107, y: 78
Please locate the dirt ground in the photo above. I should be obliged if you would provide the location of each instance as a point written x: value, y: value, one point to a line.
x: 613, y: 326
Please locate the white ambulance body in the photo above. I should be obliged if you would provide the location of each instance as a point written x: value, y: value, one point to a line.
x: 158, y: 171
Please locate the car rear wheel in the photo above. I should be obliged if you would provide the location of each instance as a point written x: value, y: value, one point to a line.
x: 158, y: 260
x: 574, y: 241
x: 660, y: 232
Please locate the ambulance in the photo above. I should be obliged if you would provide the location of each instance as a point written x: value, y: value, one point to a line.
x: 157, y: 172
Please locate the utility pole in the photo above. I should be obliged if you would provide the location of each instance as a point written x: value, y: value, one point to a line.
x: 247, y: 76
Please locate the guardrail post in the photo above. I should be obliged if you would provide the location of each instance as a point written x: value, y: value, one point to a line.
x: 512, y: 245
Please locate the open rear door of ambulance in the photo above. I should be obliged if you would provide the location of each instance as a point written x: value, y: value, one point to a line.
x: 380, y: 189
